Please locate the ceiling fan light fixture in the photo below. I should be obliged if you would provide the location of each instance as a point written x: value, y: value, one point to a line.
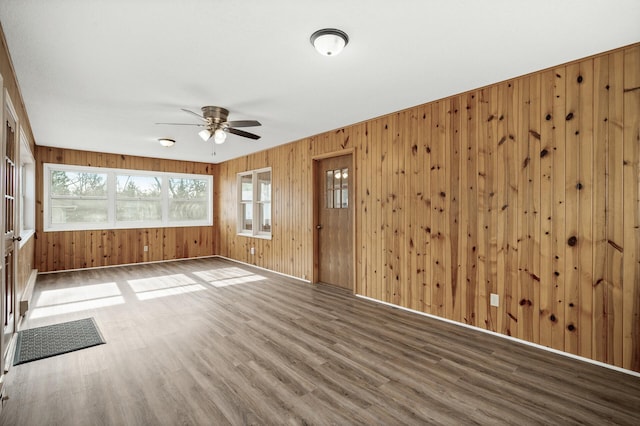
x: 166, y: 142
x: 329, y: 41
x: 205, y: 134
x: 219, y: 136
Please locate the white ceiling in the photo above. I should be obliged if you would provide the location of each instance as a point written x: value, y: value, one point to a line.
x: 98, y: 74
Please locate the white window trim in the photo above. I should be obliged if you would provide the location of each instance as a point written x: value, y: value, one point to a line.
x: 111, y: 222
x: 27, y: 190
x: 254, y: 232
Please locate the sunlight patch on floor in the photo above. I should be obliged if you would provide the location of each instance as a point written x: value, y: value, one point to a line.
x: 77, y: 294
x: 160, y: 282
x: 173, y: 291
x: 165, y: 285
x: 65, y: 308
x: 228, y: 276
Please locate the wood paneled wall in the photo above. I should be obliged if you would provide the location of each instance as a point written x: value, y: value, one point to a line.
x: 25, y: 265
x: 10, y: 83
x: 57, y: 251
x: 529, y: 189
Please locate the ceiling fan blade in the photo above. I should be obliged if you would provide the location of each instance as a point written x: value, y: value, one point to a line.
x: 183, y: 124
x: 194, y: 113
x: 241, y: 133
x: 243, y: 123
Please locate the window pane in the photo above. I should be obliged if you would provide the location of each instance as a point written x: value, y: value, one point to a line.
x: 264, y: 210
x: 264, y: 186
x: 345, y: 178
x: 345, y: 198
x: 128, y: 186
x: 336, y: 179
x: 246, y: 186
x: 329, y: 179
x: 188, y: 189
x: 78, y: 211
x: 187, y: 199
x: 79, y: 184
x: 329, y: 198
x: 138, y: 210
x: 337, y: 202
x: 180, y: 210
x: 247, y: 216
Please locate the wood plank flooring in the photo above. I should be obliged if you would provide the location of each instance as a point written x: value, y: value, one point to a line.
x: 212, y: 342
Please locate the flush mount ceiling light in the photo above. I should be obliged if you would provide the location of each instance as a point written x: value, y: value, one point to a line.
x: 166, y: 142
x: 329, y: 41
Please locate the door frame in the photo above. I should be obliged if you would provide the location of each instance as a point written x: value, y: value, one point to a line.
x: 7, y: 107
x: 316, y: 205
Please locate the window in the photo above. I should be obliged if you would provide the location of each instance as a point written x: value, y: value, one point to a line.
x: 337, y: 189
x: 254, y: 203
x: 27, y: 188
x: 138, y: 198
x: 100, y: 198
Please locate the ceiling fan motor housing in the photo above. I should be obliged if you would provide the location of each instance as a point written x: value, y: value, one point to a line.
x: 215, y: 115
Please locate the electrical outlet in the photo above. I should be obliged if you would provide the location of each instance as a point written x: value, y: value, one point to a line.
x: 495, y: 299
x: 146, y: 248
x: 253, y: 250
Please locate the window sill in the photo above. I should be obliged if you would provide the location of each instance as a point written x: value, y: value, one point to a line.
x: 26, y: 235
x: 260, y: 236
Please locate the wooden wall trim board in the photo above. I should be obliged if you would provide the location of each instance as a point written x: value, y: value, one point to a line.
x: 528, y: 188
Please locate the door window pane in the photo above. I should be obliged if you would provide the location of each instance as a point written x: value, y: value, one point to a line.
x: 337, y: 189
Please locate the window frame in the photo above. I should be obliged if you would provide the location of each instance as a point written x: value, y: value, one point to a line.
x: 112, y: 198
x: 26, y: 189
x: 256, y: 204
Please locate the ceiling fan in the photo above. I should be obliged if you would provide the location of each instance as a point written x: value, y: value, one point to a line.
x: 216, y: 125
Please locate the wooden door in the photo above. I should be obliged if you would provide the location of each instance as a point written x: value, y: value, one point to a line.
x: 334, y: 204
x: 8, y: 221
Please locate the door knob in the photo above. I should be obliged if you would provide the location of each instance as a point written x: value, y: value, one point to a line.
x: 318, y: 226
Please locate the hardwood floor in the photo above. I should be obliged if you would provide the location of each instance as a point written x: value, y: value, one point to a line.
x: 212, y: 342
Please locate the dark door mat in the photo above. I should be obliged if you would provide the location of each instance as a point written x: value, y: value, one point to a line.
x: 51, y: 340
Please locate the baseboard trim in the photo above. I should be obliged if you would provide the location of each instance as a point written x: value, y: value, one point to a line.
x: 511, y: 338
x: 261, y: 268
x: 25, y: 299
x: 127, y: 264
